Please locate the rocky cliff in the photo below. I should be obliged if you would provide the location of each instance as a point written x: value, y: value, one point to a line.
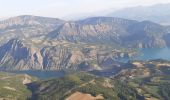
x: 23, y: 55
x: 107, y: 30
x: 91, y: 44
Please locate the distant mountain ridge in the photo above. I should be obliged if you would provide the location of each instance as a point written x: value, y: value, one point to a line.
x: 110, y: 30
x: 27, y: 26
x: 107, y: 30
x: 30, y: 20
x: 156, y: 13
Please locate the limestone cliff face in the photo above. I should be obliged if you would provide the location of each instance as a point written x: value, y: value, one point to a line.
x: 100, y: 30
x: 19, y: 55
x: 93, y: 30
x: 112, y: 31
x: 16, y: 55
x: 59, y: 58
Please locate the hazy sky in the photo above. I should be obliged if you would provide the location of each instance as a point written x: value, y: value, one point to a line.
x: 63, y: 8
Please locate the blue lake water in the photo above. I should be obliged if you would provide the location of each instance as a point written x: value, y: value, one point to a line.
x: 144, y: 54
x: 42, y: 74
x: 154, y: 53
x: 150, y: 54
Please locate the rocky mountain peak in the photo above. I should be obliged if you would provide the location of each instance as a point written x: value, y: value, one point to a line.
x: 20, y: 55
x: 30, y: 20
x: 105, y: 20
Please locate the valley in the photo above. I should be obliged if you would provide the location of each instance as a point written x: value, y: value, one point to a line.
x: 40, y: 43
x: 141, y: 81
x: 95, y: 58
x: 84, y: 50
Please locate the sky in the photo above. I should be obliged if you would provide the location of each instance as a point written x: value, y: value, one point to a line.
x: 66, y: 8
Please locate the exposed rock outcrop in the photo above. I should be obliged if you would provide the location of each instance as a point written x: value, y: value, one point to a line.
x: 108, y: 30
x: 22, y: 55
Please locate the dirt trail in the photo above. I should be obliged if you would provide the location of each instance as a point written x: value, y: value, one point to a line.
x: 10, y: 88
x: 3, y: 78
x: 83, y: 96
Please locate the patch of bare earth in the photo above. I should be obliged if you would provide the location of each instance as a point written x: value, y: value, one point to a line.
x: 152, y: 99
x: 138, y: 64
x: 92, y: 82
x: 107, y: 83
x: 3, y: 78
x: 10, y: 88
x: 165, y: 65
x: 83, y: 96
x: 26, y: 79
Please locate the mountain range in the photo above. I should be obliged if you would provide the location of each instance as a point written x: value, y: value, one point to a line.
x: 40, y: 43
x: 157, y: 13
x: 95, y: 58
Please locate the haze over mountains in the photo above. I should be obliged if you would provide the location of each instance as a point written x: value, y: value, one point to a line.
x: 123, y: 55
x: 156, y: 13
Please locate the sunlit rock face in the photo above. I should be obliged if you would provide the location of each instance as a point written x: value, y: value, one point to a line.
x: 108, y: 30
x: 38, y: 43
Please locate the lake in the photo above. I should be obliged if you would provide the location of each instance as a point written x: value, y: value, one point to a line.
x: 154, y: 53
x: 42, y: 74
x: 150, y: 54
x: 145, y: 54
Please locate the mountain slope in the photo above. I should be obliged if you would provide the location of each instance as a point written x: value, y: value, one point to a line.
x: 142, y: 81
x: 89, y: 44
x: 98, y: 30
x: 54, y: 55
x: 13, y: 86
x: 112, y: 31
x: 27, y: 26
x: 83, y: 83
x: 28, y: 20
x: 15, y: 53
x: 145, y: 34
x: 150, y: 78
x: 93, y: 30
